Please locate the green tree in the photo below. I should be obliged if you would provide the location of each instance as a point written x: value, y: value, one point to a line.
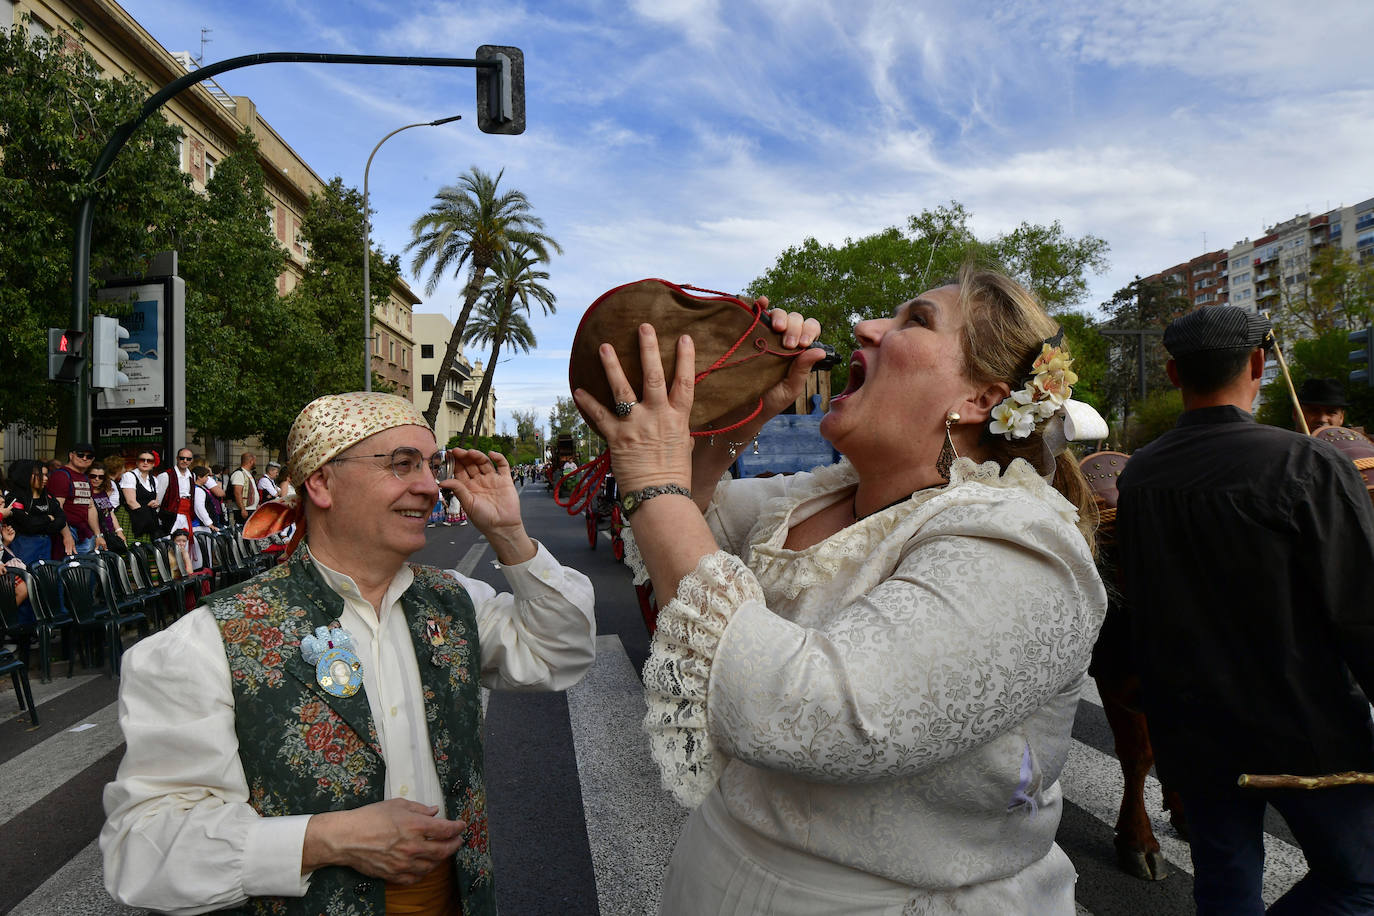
x: 1326, y: 356
x: 471, y: 223
x: 1152, y: 417
x: 840, y: 285
x: 526, y: 424
x: 231, y: 261
x: 500, y: 319
x: 58, y: 114
x: 564, y: 417
x: 318, y: 340
x: 1140, y: 305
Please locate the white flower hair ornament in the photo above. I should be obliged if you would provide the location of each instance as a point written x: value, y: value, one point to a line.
x: 1048, y: 397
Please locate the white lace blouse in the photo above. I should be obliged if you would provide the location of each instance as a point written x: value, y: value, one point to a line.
x: 896, y: 699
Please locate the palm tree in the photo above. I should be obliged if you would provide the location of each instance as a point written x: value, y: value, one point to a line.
x: 471, y: 223
x: 513, y: 284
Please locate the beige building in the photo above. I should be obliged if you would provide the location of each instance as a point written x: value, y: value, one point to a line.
x: 431, y: 340
x: 211, y: 120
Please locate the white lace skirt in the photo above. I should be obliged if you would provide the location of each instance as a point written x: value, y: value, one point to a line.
x: 722, y: 868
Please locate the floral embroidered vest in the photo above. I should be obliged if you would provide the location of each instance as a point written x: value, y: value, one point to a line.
x: 306, y: 752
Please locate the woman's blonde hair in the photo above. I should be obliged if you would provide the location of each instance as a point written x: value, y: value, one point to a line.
x: 1004, y: 327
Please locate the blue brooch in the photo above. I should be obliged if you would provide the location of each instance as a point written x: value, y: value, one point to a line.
x: 338, y: 670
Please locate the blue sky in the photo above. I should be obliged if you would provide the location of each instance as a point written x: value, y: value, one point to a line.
x: 695, y: 140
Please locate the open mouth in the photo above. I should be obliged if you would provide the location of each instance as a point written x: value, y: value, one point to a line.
x: 413, y: 513
x: 857, y: 374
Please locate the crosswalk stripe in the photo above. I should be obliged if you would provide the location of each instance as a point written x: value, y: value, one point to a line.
x: 472, y: 558
x: 45, y: 767
x: 1093, y: 781
x: 632, y: 822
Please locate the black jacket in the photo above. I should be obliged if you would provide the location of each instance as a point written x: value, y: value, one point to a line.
x: 1247, y: 554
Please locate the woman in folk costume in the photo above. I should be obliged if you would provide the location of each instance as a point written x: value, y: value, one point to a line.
x: 310, y: 741
x: 864, y: 677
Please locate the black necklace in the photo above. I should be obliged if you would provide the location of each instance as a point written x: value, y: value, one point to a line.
x: 895, y: 502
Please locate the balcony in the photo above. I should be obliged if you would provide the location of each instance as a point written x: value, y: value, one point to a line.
x: 1261, y: 277
x: 456, y: 398
x: 1266, y: 293
x: 1364, y: 221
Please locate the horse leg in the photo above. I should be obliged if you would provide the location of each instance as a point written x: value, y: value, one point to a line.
x: 1137, y: 850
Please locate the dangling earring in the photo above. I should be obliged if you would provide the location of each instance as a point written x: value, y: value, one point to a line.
x: 947, y: 454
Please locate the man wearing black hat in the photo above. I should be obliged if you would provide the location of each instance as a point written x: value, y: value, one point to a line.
x: 1323, y: 403
x: 1247, y: 553
x: 72, y: 488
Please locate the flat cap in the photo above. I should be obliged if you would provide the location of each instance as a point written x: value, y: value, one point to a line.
x: 1324, y: 391
x: 1215, y: 327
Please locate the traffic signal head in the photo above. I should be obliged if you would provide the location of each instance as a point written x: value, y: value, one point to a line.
x: 66, y: 354
x: 501, y: 92
x: 1364, y: 355
x: 108, y: 355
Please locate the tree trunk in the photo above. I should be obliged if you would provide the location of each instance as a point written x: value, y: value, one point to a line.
x: 455, y: 340
x: 480, y: 401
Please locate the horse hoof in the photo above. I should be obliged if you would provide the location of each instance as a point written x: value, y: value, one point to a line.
x: 1138, y: 863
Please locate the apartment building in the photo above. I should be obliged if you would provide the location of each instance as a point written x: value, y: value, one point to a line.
x: 1203, y: 280
x: 432, y: 334
x: 1261, y: 274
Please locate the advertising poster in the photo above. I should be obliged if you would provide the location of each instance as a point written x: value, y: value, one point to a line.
x: 145, y: 347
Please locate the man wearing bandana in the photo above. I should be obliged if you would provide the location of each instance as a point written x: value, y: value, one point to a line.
x: 310, y: 741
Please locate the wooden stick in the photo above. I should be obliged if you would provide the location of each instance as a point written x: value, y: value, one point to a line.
x: 1284, y: 781
x: 1292, y: 392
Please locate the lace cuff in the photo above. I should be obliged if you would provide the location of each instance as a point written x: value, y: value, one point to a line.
x: 678, y: 673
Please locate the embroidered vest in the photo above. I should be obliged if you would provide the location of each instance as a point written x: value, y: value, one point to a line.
x: 306, y: 752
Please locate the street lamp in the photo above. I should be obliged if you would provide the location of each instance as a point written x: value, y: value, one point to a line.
x: 367, y: 250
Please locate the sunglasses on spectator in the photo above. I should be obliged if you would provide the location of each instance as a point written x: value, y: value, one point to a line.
x: 145, y: 461
x: 406, y: 461
x: 96, y: 476
x: 184, y: 457
x: 84, y: 454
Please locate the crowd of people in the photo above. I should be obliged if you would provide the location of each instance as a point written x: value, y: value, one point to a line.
x: 863, y: 679
x: 52, y: 510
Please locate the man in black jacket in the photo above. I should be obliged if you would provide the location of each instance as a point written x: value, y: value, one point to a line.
x: 1248, y: 558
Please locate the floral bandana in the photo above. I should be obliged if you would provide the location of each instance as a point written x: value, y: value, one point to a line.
x: 326, y: 427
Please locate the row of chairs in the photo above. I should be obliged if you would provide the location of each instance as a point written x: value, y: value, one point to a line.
x: 99, y: 595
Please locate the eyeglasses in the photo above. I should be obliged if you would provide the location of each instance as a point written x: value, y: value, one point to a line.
x: 96, y: 476
x: 406, y: 461
x: 145, y: 461
x: 184, y: 457
x: 84, y: 454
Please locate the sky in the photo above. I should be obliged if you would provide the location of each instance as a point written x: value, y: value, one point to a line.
x: 696, y: 140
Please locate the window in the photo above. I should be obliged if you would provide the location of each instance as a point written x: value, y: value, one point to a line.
x: 1241, y: 278
x: 1364, y: 239
x: 1237, y: 263
x: 426, y: 351
x: 181, y: 152
x: 404, y: 351
x: 391, y: 351
x: 209, y: 167
x: 426, y: 383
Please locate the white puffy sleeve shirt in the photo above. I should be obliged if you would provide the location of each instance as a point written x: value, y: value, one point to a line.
x: 896, y: 698
x: 180, y: 836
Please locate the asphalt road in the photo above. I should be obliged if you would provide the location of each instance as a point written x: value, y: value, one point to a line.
x: 579, y: 823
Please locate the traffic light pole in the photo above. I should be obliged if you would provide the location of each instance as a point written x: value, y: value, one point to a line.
x: 496, y: 73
